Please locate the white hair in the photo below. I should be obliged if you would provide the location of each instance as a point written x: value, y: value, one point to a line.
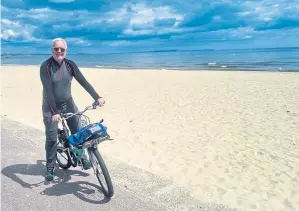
x: 59, y: 39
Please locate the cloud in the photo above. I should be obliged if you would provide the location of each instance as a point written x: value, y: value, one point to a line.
x: 39, y: 14
x: 121, y: 24
x: 265, y: 15
x: 135, y: 19
x: 15, y: 31
x: 144, y: 16
x: 222, y: 35
x: 129, y: 20
x: 75, y: 41
x: 280, y: 23
x: 50, y: 16
x: 119, y: 43
x: 214, y: 13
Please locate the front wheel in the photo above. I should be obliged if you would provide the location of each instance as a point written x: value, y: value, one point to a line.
x: 101, y: 172
x: 63, y: 157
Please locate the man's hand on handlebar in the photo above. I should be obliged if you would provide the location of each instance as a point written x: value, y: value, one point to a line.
x: 56, y: 118
x: 99, y: 102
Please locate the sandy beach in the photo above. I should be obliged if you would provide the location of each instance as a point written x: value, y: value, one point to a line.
x: 233, y: 137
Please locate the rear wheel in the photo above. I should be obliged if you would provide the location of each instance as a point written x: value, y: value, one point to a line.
x: 101, y: 172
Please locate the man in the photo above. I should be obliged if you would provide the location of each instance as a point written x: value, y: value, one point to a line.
x: 56, y: 74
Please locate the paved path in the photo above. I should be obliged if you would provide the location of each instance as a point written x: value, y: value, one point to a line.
x: 23, y: 186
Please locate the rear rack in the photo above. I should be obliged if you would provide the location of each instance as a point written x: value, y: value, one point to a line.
x: 92, y: 142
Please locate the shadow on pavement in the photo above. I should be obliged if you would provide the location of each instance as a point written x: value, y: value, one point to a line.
x: 61, y: 185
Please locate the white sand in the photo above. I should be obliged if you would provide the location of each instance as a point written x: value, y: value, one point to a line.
x: 230, y: 136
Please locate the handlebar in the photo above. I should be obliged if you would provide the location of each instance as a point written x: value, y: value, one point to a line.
x: 89, y: 107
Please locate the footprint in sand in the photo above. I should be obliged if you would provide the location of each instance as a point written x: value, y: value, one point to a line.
x: 162, y: 165
x: 206, y: 164
x: 216, y: 158
x: 221, y: 180
x: 199, y: 172
x: 154, y: 153
x: 221, y: 192
x: 288, y: 204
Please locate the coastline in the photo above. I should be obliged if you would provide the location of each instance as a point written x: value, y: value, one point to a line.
x: 163, y: 69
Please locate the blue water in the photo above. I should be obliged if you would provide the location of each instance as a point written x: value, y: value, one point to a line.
x: 275, y: 59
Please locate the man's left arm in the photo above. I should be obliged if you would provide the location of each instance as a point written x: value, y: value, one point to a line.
x: 84, y: 83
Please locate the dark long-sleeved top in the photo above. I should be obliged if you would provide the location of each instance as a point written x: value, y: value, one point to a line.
x: 56, y: 80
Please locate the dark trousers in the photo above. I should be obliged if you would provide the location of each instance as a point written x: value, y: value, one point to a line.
x: 51, y: 130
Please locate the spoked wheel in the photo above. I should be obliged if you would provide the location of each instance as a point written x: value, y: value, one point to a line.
x: 62, y: 156
x: 101, y: 172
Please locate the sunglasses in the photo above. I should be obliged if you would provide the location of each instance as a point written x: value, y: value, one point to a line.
x: 61, y: 49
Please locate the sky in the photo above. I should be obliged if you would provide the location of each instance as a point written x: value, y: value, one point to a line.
x: 105, y: 26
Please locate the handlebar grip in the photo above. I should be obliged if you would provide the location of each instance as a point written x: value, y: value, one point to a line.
x: 96, y: 103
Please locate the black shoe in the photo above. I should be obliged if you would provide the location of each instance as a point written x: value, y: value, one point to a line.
x: 50, y: 174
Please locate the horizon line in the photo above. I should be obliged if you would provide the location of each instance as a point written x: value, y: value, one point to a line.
x: 151, y: 51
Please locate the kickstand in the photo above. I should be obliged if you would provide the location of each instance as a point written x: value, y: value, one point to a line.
x: 80, y: 164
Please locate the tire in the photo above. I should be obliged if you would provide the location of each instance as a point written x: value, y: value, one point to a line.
x: 66, y: 164
x: 108, y: 190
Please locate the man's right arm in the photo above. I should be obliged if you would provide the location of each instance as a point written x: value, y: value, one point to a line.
x: 47, y: 86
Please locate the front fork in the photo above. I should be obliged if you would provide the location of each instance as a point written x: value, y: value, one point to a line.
x: 91, y: 157
x: 74, y: 164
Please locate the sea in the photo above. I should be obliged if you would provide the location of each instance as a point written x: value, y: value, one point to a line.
x: 262, y: 59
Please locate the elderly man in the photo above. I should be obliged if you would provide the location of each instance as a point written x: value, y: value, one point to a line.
x: 56, y: 74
